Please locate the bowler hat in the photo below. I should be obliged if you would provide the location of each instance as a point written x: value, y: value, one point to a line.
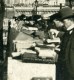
x: 66, y: 12
x: 55, y: 16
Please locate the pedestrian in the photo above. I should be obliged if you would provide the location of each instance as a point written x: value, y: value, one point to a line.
x: 56, y: 31
x: 66, y: 55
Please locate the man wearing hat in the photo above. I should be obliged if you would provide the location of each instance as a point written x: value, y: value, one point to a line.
x: 56, y: 31
x: 57, y: 24
x: 66, y: 55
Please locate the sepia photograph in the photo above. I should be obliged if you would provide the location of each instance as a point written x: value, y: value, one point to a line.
x: 37, y: 40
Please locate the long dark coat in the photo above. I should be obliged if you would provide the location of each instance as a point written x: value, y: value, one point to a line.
x: 66, y: 56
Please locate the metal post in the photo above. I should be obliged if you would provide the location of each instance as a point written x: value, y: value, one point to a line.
x: 70, y: 4
x: 56, y: 2
x: 2, y: 10
x: 60, y: 5
x: 8, y: 39
x: 36, y: 5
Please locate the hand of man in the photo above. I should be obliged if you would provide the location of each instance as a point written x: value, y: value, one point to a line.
x: 54, y: 32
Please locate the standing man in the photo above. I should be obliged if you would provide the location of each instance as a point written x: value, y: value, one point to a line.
x: 57, y: 31
x: 66, y: 56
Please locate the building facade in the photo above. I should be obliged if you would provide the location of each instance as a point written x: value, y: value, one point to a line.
x: 49, y: 2
x: 52, y: 6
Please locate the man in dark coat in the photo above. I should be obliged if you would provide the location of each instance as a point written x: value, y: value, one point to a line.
x: 66, y: 56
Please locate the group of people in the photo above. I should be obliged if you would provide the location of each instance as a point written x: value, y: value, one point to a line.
x: 63, y: 23
x: 64, y: 19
